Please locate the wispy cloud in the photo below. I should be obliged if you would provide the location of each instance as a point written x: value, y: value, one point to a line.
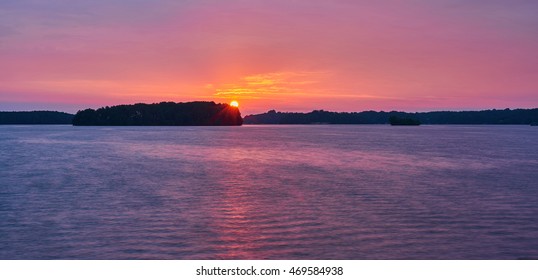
x: 270, y: 84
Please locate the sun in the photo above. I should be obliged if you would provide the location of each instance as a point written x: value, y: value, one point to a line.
x: 234, y: 104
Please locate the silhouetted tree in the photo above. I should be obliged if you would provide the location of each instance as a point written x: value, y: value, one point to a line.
x: 159, y: 114
x: 506, y: 116
x: 35, y: 117
x: 394, y: 120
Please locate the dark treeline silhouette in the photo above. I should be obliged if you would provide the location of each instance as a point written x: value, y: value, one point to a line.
x: 36, y: 117
x: 506, y: 116
x: 161, y: 114
x: 394, y: 120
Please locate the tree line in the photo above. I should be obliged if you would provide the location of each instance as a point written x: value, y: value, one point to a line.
x: 161, y: 114
x: 506, y: 116
x: 36, y: 117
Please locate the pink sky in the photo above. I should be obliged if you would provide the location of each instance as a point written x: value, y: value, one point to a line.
x: 285, y: 55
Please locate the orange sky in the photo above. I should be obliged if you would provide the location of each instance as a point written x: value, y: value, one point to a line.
x: 284, y: 55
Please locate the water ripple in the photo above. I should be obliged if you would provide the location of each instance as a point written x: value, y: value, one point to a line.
x: 268, y: 192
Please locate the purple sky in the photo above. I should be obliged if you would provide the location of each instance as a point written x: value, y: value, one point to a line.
x: 286, y: 55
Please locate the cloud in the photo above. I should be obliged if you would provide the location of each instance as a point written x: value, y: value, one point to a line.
x: 339, y: 51
x: 267, y: 85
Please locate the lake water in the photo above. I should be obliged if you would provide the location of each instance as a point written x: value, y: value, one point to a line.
x: 269, y: 192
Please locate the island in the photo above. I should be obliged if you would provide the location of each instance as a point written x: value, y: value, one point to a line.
x: 199, y: 113
x: 35, y: 117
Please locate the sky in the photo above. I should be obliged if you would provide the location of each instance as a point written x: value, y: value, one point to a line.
x: 288, y: 55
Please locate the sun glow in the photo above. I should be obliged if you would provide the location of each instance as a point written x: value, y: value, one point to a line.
x: 234, y: 104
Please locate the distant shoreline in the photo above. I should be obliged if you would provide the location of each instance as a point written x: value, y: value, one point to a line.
x: 485, y: 117
x: 318, y: 117
x: 36, y: 118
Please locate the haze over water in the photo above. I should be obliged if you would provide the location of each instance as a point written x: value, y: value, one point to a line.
x: 269, y: 192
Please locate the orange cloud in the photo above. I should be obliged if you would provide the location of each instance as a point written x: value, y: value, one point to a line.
x: 270, y: 85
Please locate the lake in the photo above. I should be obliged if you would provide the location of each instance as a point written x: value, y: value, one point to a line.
x: 269, y: 192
